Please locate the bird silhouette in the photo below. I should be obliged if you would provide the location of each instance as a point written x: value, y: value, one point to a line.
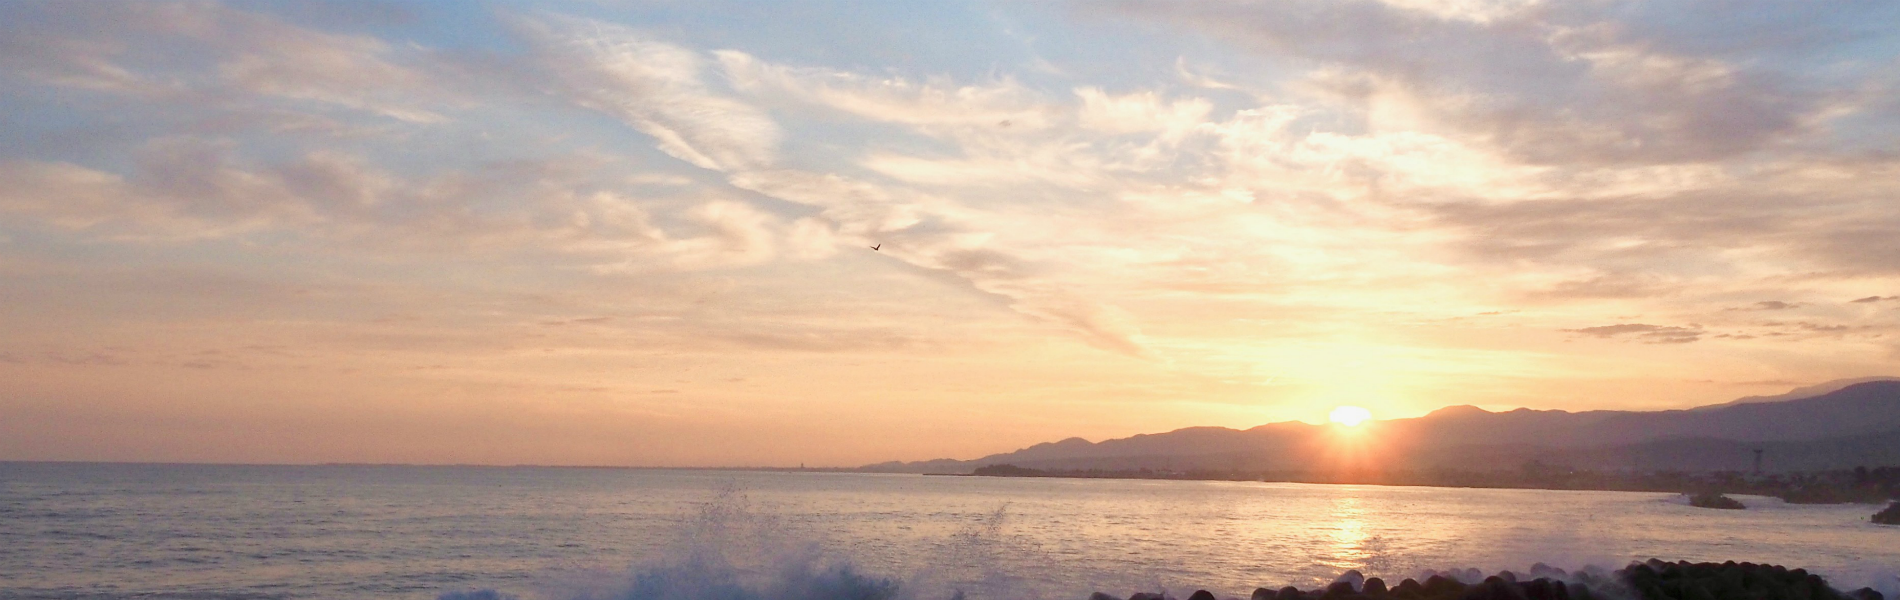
x: 879, y: 245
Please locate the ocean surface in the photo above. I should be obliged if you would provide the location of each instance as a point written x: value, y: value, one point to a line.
x: 186, y: 531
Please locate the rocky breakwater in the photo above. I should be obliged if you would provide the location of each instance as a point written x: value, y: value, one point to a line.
x: 1714, y: 500
x: 1652, y: 580
x: 1890, y: 516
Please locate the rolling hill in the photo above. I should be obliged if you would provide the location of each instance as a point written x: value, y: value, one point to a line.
x: 1843, y: 425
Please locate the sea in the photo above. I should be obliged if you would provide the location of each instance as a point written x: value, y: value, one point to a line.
x: 105, y: 531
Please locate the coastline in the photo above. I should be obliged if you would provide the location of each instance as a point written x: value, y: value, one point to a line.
x: 1795, y: 488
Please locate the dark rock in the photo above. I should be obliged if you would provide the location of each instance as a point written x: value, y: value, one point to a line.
x: 1695, y: 590
x: 1353, y: 578
x: 1374, y: 587
x: 1102, y: 596
x: 1656, y: 580
x: 1409, y: 588
x: 1890, y: 516
x: 1647, y: 580
x: 1494, y: 588
x: 1339, y: 589
x: 1439, y: 586
x: 476, y: 595
x: 1714, y: 500
x: 1538, y: 589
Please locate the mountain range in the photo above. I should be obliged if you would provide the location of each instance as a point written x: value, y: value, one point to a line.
x: 1837, y: 425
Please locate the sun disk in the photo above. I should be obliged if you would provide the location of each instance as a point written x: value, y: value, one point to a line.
x: 1350, y: 416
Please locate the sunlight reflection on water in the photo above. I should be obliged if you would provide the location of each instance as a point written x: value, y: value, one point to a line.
x: 1349, y: 535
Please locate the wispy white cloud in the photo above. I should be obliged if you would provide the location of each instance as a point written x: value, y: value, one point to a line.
x: 930, y: 103
x: 1550, y: 84
x: 188, y: 189
x: 656, y: 88
x: 124, y: 47
x: 933, y: 233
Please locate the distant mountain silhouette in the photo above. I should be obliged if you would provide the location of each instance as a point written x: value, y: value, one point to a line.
x: 1800, y: 392
x: 1828, y: 426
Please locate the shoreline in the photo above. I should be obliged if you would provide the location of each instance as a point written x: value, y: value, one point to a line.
x: 1828, y: 487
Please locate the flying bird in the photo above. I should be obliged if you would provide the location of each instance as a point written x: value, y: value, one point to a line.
x: 879, y: 245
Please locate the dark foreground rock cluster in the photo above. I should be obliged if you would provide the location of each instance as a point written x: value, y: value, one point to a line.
x: 1652, y: 580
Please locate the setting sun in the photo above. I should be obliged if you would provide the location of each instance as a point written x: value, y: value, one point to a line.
x: 1350, y: 416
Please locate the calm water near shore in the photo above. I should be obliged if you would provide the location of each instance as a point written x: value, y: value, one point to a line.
x: 178, y: 531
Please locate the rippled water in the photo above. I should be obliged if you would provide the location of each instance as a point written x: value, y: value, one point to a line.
x: 179, y: 531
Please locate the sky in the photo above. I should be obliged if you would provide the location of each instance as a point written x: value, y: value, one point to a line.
x: 756, y: 233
